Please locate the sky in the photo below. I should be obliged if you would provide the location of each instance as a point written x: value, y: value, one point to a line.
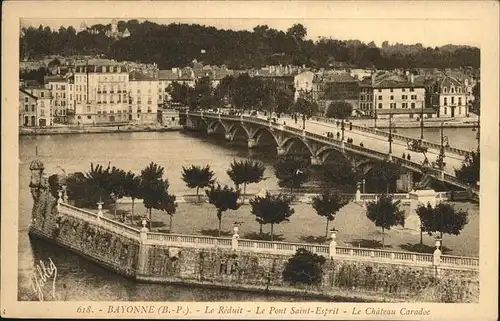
x: 407, y: 22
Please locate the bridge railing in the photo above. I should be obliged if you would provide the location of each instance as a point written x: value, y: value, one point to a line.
x: 80, y: 213
x: 409, y: 164
x: 383, y: 133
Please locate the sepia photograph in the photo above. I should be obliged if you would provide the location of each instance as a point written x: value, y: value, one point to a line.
x: 274, y: 165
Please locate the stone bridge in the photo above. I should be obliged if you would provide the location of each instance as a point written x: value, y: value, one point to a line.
x: 319, y: 147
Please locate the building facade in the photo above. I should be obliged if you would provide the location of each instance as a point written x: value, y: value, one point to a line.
x: 332, y: 87
x: 142, y: 98
x: 101, y: 93
x: 35, y: 107
x: 452, y: 97
x: 398, y: 96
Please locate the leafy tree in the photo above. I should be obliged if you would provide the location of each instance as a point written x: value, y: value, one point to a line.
x: 476, y: 92
x: 385, y: 213
x: 201, y: 97
x: 169, y: 205
x: 327, y: 205
x: 339, y: 172
x: 383, y: 174
x: 469, y: 172
x: 271, y: 209
x: 339, y: 110
x: 117, y: 186
x: 246, y: 172
x: 154, y: 189
x: 425, y: 214
x: 304, y: 268
x: 298, y: 31
x: 306, y: 107
x: 443, y: 218
x: 223, y: 199
x: 291, y: 172
x: 198, y: 177
x: 132, y: 188
x: 179, y: 93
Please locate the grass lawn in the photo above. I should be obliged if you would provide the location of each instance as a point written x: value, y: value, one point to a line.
x: 354, y: 229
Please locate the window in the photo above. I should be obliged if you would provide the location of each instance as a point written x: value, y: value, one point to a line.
x: 452, y: 90
x: 445, y: 101
x: 404, y: 105
x: 445, y: 110
x: 42, y: 103
x: 41, y: 94
x: 380, y: 105
x: 452, y: 100
x: 42, y: 112
x: 459, y: 101
x: 392, y: 90
x: 412, y: 105
x: 412, y: 89
x: 414, y: 97
x: 392, y: 97
x: 404, y: 97
x: 32, y: 107
x: 379, y: 97
x: 25, y: 99
x: 26, y: 107
x: 445, y: 90
x: 403, y: 89
x: 89, y: 117
x: 380, y: 90
x: 459, y: 90
x: 393, y: 105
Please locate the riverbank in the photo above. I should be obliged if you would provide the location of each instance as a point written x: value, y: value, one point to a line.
x: 94, y: 130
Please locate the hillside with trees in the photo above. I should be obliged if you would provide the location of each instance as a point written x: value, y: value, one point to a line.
x: 176, y: 45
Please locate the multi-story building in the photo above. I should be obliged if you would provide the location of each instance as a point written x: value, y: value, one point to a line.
x: 168, y: 77
x: 35, y: 107
x: 142, y: 98
x: 398, y: 96
x: 331, y: 87
x: 100, y: 92
x: 450, y: 97
x: 60, y: 89
x: 303, y: 83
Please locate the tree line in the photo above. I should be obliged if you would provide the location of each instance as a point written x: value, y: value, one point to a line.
x: 178, y: 44
x: 108, y: 184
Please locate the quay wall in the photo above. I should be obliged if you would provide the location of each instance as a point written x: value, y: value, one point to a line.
x: 254, y: 265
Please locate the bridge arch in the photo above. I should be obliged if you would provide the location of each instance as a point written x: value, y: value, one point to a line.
x: 236, y: 128
x: 262, y: 133
x: 289, y: 143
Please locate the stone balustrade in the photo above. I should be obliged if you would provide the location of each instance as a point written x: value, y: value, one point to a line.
x: 281, y: 248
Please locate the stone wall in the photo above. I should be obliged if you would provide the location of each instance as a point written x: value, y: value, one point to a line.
x: 140, y: 258
x: 378, y: 280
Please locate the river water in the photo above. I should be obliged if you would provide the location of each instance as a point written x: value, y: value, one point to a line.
x: 79, y: 279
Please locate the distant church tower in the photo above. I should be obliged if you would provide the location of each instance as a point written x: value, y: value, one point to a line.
x: 83, y: 26
x: 114, y: 27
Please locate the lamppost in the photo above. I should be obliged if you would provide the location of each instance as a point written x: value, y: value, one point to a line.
x: 390, y: 134
x: 303, y: 121
x: 363, y: 181
x: 422, y: 123
x: 444, y: 143
x: 342, y: 127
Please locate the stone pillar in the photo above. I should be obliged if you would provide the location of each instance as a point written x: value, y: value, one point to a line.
x: 99, y: 210
x: 210, y: 131
x: 64, y: 193
x: 419, y: 197
x: 234, y: 239
x: 143, y: 251
x: 316, y: 161
x: 436, y: 260
x: 333, y: 244
x: 358, y: 195
x: 229, y: 137
x: 251, y: 143
x: 59, y: 200
x: 280, y: 151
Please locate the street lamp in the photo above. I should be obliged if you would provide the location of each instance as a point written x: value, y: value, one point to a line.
x: 444, y: 143
x: 342, y: 127
x: 303, y: 121
x: 422, y: 123
x: 363, y: 181
x: 390, y: 133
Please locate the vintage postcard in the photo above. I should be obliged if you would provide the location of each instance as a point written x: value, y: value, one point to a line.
x: 321, y: 160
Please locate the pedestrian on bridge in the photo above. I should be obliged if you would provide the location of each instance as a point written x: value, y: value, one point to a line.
x: 409, y: 157
x: 404, y: 156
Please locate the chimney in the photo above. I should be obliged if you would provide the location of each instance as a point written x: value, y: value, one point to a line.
x: 373, y: 79
x: 412, y: 78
